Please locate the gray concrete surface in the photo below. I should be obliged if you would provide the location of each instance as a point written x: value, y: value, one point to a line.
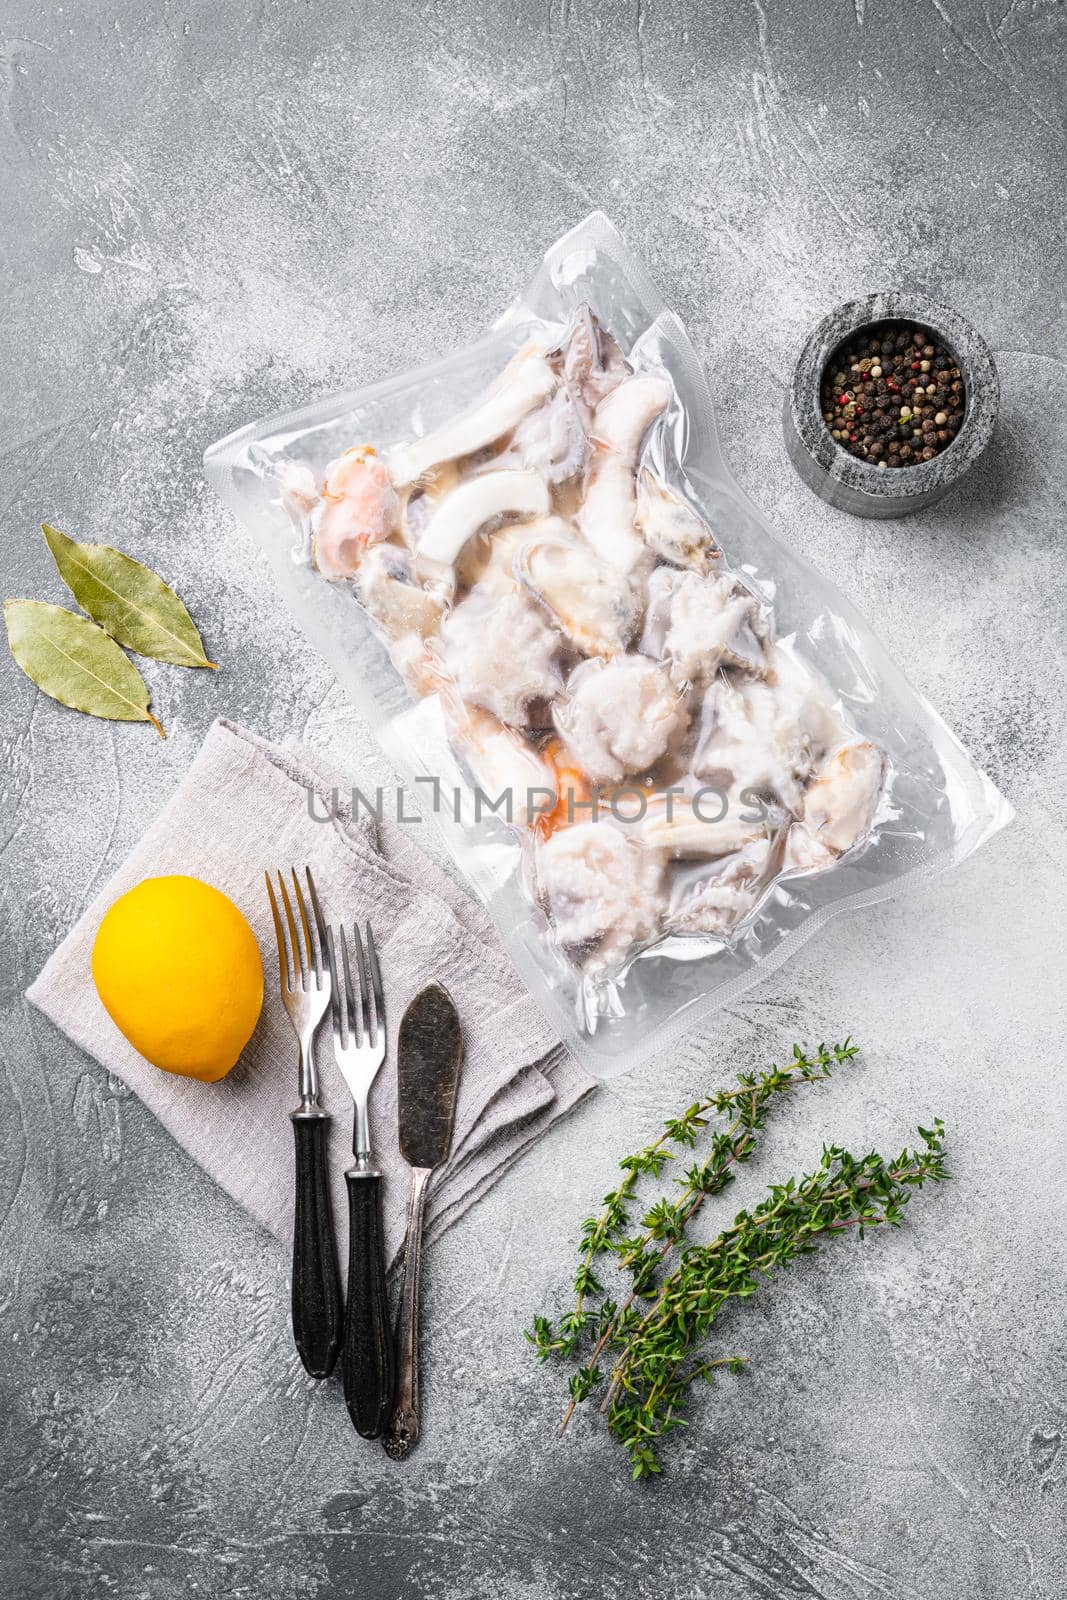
x: 211, y: 210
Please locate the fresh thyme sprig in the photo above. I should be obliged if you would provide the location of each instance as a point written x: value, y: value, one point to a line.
x: 653, y: 1339
x: 647, y: 1385
x: 664, y: 1224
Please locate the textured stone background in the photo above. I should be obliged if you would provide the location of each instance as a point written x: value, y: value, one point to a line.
x: 212, y: 210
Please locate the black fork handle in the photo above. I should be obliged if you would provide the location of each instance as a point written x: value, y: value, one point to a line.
x: 316, y: 1282
x: 367, y: 1362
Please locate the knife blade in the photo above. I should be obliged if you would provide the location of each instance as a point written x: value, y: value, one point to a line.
x: 428, y: 1062
x: 429, y: 1053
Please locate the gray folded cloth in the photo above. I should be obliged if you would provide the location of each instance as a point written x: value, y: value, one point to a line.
x: 244, y: 805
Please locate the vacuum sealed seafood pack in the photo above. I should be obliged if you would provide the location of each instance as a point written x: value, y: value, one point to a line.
x: 662, y: 749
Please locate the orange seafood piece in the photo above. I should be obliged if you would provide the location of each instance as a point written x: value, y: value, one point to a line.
x: 359, y: 508
x: 574, y: 792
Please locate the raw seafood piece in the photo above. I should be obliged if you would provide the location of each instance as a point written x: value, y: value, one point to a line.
x: 594, y: 609
x: 838, y: 807
x: 766, y: 737
x: 487, y: 562
x: 592, y: 363
x: 574, y: 792
x: 703, y: 623
x: 699, y: 824
x: 550, y: 440
x: 476, y: 502
x: 502, y: 654
x: 417, y: 664
x: 624, y: 417
x: 671, y: 528
x: 619, y: 716
x: 603, y: 892
x: 524, y: 383
x: 388, y: 589
x: 514, y: 781
x: 358, y: 508
x: 608, y: 511
x: 714, y: 900
x: 419, y: 501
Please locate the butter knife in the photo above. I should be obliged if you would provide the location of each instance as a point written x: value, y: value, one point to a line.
x: 428, y: 1060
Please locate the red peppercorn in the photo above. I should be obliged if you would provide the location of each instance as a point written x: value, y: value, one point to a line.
x: 853, y: 437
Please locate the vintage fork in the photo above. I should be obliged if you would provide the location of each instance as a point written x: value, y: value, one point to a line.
x: 367, y: 1360
x: 306, y: 987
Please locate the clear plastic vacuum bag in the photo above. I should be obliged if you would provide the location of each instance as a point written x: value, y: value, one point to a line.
x: 661, y: 748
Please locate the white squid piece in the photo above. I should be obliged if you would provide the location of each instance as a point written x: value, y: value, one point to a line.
x: 603, y: 892
x: 619, y: 717
x: 525, y: 382
x: 502, y: 654
x: 703, y: 623
x: 689, y: 826
x: 460, y: 514
x: 607, y: 516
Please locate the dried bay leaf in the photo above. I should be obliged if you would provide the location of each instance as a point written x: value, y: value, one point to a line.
x: 76, y: 663
x: 128, y: 600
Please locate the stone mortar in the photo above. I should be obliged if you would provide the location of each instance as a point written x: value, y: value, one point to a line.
x: 858, y: 486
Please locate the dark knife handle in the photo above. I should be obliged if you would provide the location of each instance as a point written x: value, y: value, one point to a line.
x: 367, y: 1362
x: 316, y: 1282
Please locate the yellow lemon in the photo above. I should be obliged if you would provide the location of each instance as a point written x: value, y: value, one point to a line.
x: 178, y: 970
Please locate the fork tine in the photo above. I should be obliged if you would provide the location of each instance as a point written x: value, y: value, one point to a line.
x: 376, y: 982
x: 283, y: 954
x: 336, y: 1009
x: 318, y: 924
x: 356, y: 1028
x: 312, y: 964
x: 297, y: 953
x: 364, y: 988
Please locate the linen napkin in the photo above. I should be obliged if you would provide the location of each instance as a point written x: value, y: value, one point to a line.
x: 245, y: 805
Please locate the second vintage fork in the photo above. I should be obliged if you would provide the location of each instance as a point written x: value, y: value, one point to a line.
x: 358, y: 1012
x: 306, y: 988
